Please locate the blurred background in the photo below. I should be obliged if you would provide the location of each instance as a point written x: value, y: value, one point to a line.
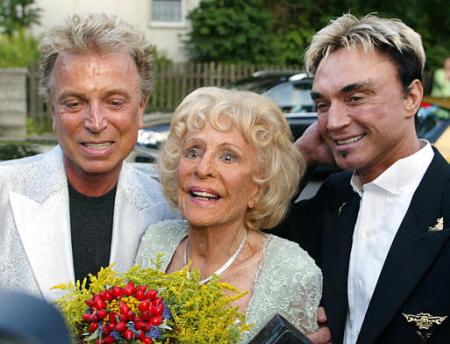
x: 249, y: 44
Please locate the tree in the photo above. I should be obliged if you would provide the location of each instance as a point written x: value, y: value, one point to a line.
x: 17, y: 15
x: 231, y: 31
x: 278, y: 31
x: 18, y: 50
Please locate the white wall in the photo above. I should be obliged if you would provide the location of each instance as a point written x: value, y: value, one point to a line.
x: 136, y: 12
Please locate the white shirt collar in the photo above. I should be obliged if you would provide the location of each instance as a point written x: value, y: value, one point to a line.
x: 400, y: 174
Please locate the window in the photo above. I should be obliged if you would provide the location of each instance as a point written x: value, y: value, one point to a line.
x: 167, y: 12
x: 292, y: 97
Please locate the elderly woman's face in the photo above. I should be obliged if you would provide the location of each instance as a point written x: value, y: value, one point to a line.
x: 215, y: 177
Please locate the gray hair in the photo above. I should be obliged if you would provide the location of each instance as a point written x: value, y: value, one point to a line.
x: 389, y: 36
x: 82, y: 33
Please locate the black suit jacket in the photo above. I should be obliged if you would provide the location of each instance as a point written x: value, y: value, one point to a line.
x: 416, y: 274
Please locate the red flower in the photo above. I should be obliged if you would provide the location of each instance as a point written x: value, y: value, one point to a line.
x: 127, y: 313
x: 99, y: 303
x: 129, y: 289
x: 117, y: 292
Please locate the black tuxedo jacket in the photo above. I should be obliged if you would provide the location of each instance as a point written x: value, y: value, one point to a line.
x: 415, y: 277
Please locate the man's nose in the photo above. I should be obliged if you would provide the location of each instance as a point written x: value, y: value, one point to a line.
x: 96, y: 120
x: 338, y: 116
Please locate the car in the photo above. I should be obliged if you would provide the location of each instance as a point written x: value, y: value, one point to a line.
x: 290, y: 90
x: 150, y: 138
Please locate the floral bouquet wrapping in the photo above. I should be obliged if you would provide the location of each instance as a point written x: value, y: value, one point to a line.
x: 147, y: 305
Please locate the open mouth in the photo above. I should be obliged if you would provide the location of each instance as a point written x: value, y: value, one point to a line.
x: 203, y: 195
x: 349, y: 140
x: 97, y: 146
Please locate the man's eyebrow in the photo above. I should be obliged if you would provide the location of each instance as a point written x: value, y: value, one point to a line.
x: 69, y: 93
x: 117, y: 91
x: 357, y: 86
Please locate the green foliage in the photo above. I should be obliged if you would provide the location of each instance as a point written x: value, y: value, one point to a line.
x: 41, y: 126
x: 278, y: 31
x: 232, y: 31
x: 16, y: 150
x: 16, y: 15
x: 429, y: 18
x: 18, y: 50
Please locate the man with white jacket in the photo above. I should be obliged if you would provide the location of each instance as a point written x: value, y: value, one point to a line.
x: 66, y: 213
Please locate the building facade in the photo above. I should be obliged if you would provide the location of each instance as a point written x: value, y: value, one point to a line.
x: 164, y: 22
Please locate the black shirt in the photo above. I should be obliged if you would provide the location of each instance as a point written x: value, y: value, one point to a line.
x: 91, y: 221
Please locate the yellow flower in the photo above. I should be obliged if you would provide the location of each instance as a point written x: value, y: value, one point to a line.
x: 201, y: 313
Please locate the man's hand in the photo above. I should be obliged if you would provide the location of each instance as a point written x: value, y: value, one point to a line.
x: 323, y: 334
x: 314, y: 148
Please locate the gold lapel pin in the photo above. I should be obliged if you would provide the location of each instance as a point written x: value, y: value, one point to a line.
x: 424, y: 323
x: 438, y: 226
x: 341, y: 207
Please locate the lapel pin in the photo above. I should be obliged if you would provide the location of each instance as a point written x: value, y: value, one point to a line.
x: 438, y: 226
x: 424, y: 323
x: 340, y: 208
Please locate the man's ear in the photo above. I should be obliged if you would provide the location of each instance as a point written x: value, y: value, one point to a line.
x: 413, y: 98
x: 142, y: 107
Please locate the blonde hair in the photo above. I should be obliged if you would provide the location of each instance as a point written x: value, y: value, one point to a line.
x: 389, y: 36
x: 262, y: 124
x: 91, y: 32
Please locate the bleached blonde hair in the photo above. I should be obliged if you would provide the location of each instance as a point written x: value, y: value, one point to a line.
x: 389, y: 36
x: 279, y: 165
x: 95, y: 32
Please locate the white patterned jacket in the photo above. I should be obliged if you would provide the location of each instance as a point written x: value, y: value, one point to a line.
x: 35, y: 240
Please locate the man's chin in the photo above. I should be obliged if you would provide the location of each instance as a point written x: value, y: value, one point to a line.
x: 98, y: 168
x: 344, y: 162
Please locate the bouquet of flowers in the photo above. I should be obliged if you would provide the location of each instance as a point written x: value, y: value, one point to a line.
x: 145, y: 305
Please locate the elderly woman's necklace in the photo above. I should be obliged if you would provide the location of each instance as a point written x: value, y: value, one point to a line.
x: 225, y: 266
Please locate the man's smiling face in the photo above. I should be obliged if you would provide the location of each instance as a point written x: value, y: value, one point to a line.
x: 363, y: 113
x: 97, y: 110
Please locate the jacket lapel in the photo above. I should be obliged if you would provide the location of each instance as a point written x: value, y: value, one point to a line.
x: 41, y: 215
x: 411, y: 254
x: 338, y: 233
x: 138, y: 204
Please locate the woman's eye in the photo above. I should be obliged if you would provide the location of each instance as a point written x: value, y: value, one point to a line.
x: 192, y: 153
x: 229, y: 157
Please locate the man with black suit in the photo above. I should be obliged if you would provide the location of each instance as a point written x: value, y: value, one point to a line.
x: 379, y: 231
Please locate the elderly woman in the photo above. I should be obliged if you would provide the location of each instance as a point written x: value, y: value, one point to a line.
x: 230, y: 167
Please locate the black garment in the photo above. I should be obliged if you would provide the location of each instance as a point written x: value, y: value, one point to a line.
x: 91, y: 221
x: 415, y: 277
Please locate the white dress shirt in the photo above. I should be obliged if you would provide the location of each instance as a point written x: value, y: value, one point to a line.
x: 384, y: 203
